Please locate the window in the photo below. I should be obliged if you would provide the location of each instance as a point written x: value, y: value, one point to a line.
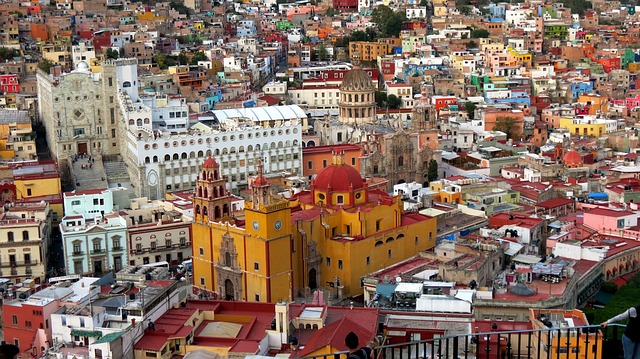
x: 328, y: 262
x: 257, y: 297
x: 14, y: 319
x: 201, y: 280
x: 368, y: 260
x: 75, y: 203
x: 150, y: 354
x: 167, y: 243
x: 353, y: 161
x: 389, y: 253
x: 339, y: 263
x: 153, y: 246
x: 28, y: 191
x: 139, y: 247
x: 201, y: 251
x: 96, y: 246
x: 78, y: 267
x: 256, y: 266
x: 324, y: 163
x: 10, y: 236
x: 183, y: 241
x: 310, y: 165
x: 378, y: 223
x: 116, y: 242
x: 82, y: 322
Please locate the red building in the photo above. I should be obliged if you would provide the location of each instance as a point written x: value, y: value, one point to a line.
x: 609, y: 63
x: 101, y: 39
x: 346, y: 5
x: 27, y: 322
x: 9, y: 83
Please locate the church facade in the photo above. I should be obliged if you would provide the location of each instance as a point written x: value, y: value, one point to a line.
x: 327, y: 237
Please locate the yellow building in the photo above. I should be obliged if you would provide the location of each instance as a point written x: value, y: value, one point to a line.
x: 595, y: 102
x: 328, y: 237
x: 584, y: 126
x: 447, y: 191
x: 370, y: 51
x: 17, y: 139
x: 573, y: 342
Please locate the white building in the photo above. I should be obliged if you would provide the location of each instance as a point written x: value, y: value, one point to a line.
x: 93, y: 233
x: 84, y: 51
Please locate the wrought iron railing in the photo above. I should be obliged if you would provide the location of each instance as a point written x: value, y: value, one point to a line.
x: 585, y: 342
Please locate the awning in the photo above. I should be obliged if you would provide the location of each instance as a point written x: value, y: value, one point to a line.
x: 513, y: 248
x: 86, y: 333
x: 526, y: 259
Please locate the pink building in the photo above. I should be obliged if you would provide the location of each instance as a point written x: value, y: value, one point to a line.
x: 606, y: 220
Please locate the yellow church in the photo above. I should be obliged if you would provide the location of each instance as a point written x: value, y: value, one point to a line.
x: 329, y: 236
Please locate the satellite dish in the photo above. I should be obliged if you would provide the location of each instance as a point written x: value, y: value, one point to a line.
x: 398, y: 279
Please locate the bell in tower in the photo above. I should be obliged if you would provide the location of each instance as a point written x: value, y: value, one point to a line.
x: 260, y: 190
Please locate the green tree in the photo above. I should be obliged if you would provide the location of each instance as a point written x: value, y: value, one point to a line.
x: 359, y: 35
x: 183, y: 59
x: 479, y: 34
x: 45, y: 65
x: 112, y: 54
x: 180, y: 7
x: 472, y: 45
x: 381, y: 99
x: 323, y: 54
x: 470, y: 107
x: 424, y: 3
x: 7, y: 53
x: 198, y: 56
x: 331, y: 12
x: 388, y: 22
x: 508, y: 125
x: 609, y: 287
x: 465, y: 10
x: 432, y: 170
x: 393, y: 101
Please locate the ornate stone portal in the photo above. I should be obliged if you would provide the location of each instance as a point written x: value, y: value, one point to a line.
x: 229, y: 272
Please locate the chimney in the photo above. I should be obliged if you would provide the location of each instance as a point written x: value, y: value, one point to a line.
x: 282, y: 321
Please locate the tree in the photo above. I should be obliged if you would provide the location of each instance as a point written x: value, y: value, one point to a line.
x: 393, y: 101
x: 359, y: 35
x: 508, y: 125
x: 470, y: 107
x: 472, y: 45
x: 7, y: 53
x: 323, y: 54
x: 424, y: 3
x: 331, y: 12
x: 381, y: 99
x: 198, y: 56
x: 112, y: 54
x: 180, y: 7
x: 45, y: 65
x: 432, y: 170
x: 388, y: 22
x: 479, y: 34
x: 183, y: 59
x: 465, y: 10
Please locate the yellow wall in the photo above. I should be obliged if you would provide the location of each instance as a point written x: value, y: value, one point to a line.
x: 595, y: 129
x: 39, y: 187
x: 598, y: 103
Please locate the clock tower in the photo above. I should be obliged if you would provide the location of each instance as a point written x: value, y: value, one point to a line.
x: 268, y: 226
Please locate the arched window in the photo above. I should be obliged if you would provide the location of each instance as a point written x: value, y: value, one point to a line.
x: 146, y: 121
x: 139, y: 122
x: 25, y: 235
x: 206, y: 193
x: 379, y: 243
x: 200, y: 153
x: 147, y: 159
x: 197, y: 209
x: 204, y: 211
x: 167, y: 158
x: 175, y: 156
x: 155, y: 159
x: 184, y: 155
x: 390, y: 239
x: 199, y: 191
x: 132, y: 122
x: 10, y: 236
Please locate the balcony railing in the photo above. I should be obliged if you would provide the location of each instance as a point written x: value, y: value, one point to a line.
x: 18, y: 263
x: 585, y: 342
x: 97, y: 251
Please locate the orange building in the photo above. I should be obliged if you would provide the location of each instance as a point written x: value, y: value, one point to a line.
x: 596, y: 103
x: 493, y: 115
x: 316, y: 158
x: 39, y: 32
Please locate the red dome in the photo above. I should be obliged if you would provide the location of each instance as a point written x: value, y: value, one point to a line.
x: 339, y: 178
x: 572, y: 158
x: 210, y: 163
x: 260, y: 181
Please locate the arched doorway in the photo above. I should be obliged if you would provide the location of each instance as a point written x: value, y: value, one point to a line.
x: 228, y: 290
x: 401, y: 181
x: 313, y: 284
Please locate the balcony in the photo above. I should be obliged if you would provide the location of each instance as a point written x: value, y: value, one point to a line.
x: 97, y: 252
x: 18, y: 264
x: 117, y: 249
x: 586, y: 342
x: 77, y: 253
